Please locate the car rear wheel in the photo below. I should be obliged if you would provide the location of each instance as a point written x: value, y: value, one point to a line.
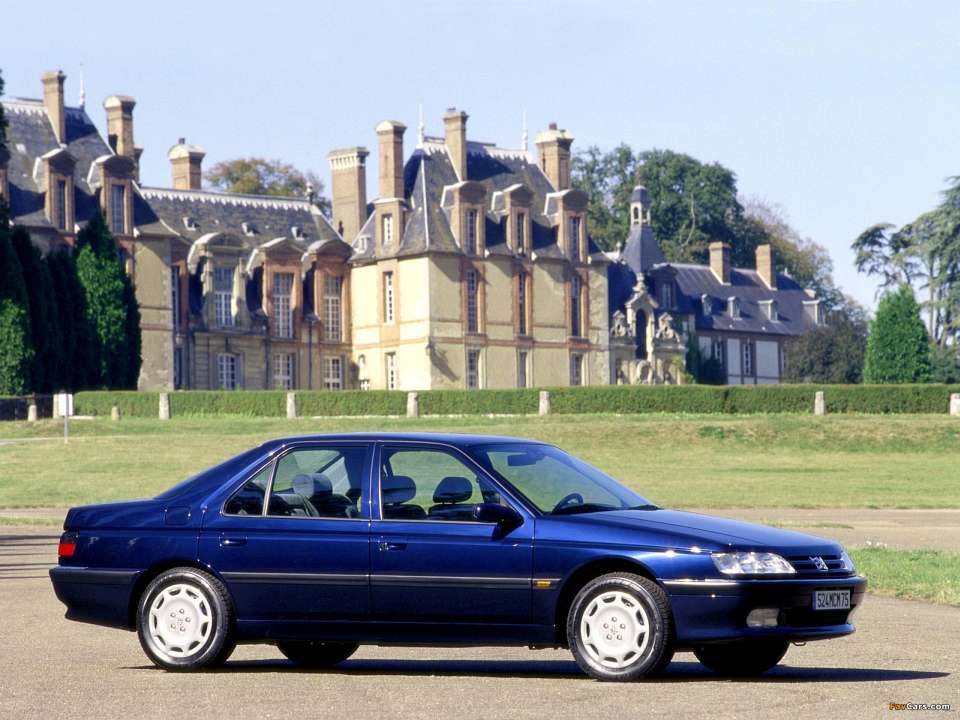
x: 742, y: 658
x: 619, y: 627
x: 317, y: 654
x: 185, y: 620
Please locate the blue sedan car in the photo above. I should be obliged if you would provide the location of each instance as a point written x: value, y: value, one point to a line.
x: 320, y: 544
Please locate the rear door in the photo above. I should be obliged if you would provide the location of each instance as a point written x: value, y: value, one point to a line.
x: 292, y: 543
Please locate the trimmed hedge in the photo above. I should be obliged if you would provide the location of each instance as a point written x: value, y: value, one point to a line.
x: 622, y: 399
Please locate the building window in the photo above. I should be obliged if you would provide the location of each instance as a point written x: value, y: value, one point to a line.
x: 388, y: 298
x: 522, y: 304
x: 387, y: 229
x: 472, y: 290
x: 391, y: 362
x: 282, y: 304
x: 522, y: 360
x: 283, y: 371
x: 716, y: 350
x: 332, y: 323
x: 667, y: 297
x: 706, y: 305
x: 521, y: 233
x: 118, y: 209
x: 733, y: 307
x: 636, y: 215
x: 473, y: 369
x: 223, y: 295
x: 471, y: 234
x: 576, y: 306
x: 61, y: 204
x: 177, y: 368
x: 576, y: 369
x: 749, y: 357
x: 333, y: 373
x: 364, y: 384
x: 175, y: 296
x: 781, y: 359
x: 227, y: 371
x: 574, y: 239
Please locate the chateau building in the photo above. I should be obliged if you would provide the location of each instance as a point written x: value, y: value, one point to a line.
x: 741, y: 317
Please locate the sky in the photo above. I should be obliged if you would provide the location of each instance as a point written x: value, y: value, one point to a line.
x: 844, y: 114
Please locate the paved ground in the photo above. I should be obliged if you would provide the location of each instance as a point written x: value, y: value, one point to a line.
x: 900, y: 529
x: 49, y: 667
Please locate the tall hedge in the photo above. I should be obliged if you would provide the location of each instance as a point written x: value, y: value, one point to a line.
x: 81, y: 368
x: 16, y: 350
x: 44, y: 324
x: 898, y: 348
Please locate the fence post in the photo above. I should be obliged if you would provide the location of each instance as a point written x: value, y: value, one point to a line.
x: 544, y: 402
x: 115, y: 413
x: 32, y: 411
x: 413, y: 405
x: 819, y: 404
x: 164, y: 406
x: 955, y: 404
x: 291, y: 406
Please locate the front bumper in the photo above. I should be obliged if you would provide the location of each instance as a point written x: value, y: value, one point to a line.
x: 95, y: 595
x: 716, y: 610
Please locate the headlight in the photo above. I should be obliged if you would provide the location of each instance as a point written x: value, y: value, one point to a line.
x: 752, y: 563
x: 847, y: 562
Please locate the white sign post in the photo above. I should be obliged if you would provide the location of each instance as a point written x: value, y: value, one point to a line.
x: 65, y: 408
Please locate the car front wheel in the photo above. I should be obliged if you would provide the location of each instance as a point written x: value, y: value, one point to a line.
x: 619, y: 627
x: 317, y: 654
x: 742, y: 658
x: 185, y: 620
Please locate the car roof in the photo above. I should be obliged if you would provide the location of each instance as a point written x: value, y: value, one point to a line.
x: 455, y: 439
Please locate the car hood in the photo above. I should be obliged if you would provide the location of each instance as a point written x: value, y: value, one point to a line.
x: 683, y: 530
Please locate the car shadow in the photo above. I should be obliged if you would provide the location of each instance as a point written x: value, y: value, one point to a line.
x: 567, y: 669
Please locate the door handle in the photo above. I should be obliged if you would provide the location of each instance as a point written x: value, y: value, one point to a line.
x: 232, y: 541
x: 386, y: 546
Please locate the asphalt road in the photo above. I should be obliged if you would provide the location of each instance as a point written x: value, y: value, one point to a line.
x: 904, y: 652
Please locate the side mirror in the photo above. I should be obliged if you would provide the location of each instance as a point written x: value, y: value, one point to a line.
x: 506, y: 518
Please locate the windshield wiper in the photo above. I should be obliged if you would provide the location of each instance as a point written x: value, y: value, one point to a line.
x: 644, y: 507
x: 582, y: 508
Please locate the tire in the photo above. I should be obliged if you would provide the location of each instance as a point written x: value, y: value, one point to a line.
x: 317, y: 654
x: 197, y: 620
x: 620, y: 602
x: 742, y: 658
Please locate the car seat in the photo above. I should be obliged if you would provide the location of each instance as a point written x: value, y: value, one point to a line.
x: 395, y: 493
x: 449, y: 499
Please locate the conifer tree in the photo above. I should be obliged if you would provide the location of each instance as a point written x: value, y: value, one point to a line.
x: 44, y: 325
x: 16, y: 351
x: 898, y: 348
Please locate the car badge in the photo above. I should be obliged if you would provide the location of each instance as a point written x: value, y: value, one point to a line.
x: 818, y: 562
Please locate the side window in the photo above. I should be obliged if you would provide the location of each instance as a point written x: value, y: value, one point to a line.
x: 248, y: 500
x: 421, y: 484
x: 324, y: 482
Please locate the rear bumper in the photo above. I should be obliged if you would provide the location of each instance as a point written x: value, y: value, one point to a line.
x: 95, y: 595
x: 716, y: 610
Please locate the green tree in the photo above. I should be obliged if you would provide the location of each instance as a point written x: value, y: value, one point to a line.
x: 898, y: 348
x: 16, y: 351
x: 257, y: 176
x: 608, y: 179
x: 134, y: 343
x: 81, y: 368
x: 830, y: 353
x: 44, y: 325
x: 103, y: 279
x: 944, y: 364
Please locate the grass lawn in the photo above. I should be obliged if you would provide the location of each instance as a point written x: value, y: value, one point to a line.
x: 676, y: 461
x: 930, y: 575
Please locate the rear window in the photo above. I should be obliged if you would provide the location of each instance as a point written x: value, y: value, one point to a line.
x: 221, y: 471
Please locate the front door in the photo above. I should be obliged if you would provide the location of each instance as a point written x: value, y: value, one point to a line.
x: 431, y: 561
x: 292, y: 544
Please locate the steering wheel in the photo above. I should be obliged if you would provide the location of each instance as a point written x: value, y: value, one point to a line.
x: 569, y: 499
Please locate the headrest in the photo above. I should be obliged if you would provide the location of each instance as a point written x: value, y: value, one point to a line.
x: 397, y: 489
x: 309, y: 486
x: 453, y: 489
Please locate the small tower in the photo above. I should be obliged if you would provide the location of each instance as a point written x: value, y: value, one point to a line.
x: 640, y: 206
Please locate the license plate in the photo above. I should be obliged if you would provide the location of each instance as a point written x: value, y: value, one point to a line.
x: 831, y: 600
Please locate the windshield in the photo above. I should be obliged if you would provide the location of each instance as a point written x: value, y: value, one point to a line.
x: 553, y: 481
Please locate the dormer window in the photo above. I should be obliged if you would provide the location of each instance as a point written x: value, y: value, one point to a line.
x: 733, y: 307
x: 520, y: 234
x: 387, y: 229
x: 61, y: 204
x: 190, y: 224
x: 362, y: 244
x: 706, y: 303
x: 297, y: 232
x: 770, y: 309
x: 470, y: 243
x: 573, y: 238
x: 667, y: 294
x: 249, y: 229
x: 118, y: 207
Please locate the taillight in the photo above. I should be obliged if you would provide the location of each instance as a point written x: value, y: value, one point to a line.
x: 68, y: 545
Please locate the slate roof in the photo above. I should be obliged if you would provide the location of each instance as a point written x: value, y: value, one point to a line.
x: 429, y: 170
x: 30, y: 136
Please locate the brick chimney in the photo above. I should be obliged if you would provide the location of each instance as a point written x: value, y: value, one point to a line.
x: 186, y: 165
x: 553, y: 145
x: 348, y: 190
x: 455, y: 138
x: 720, y: 261
x: 390, y: 136
x: 120, y: 125
x: 765, y: 267
x: 53, y: 102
